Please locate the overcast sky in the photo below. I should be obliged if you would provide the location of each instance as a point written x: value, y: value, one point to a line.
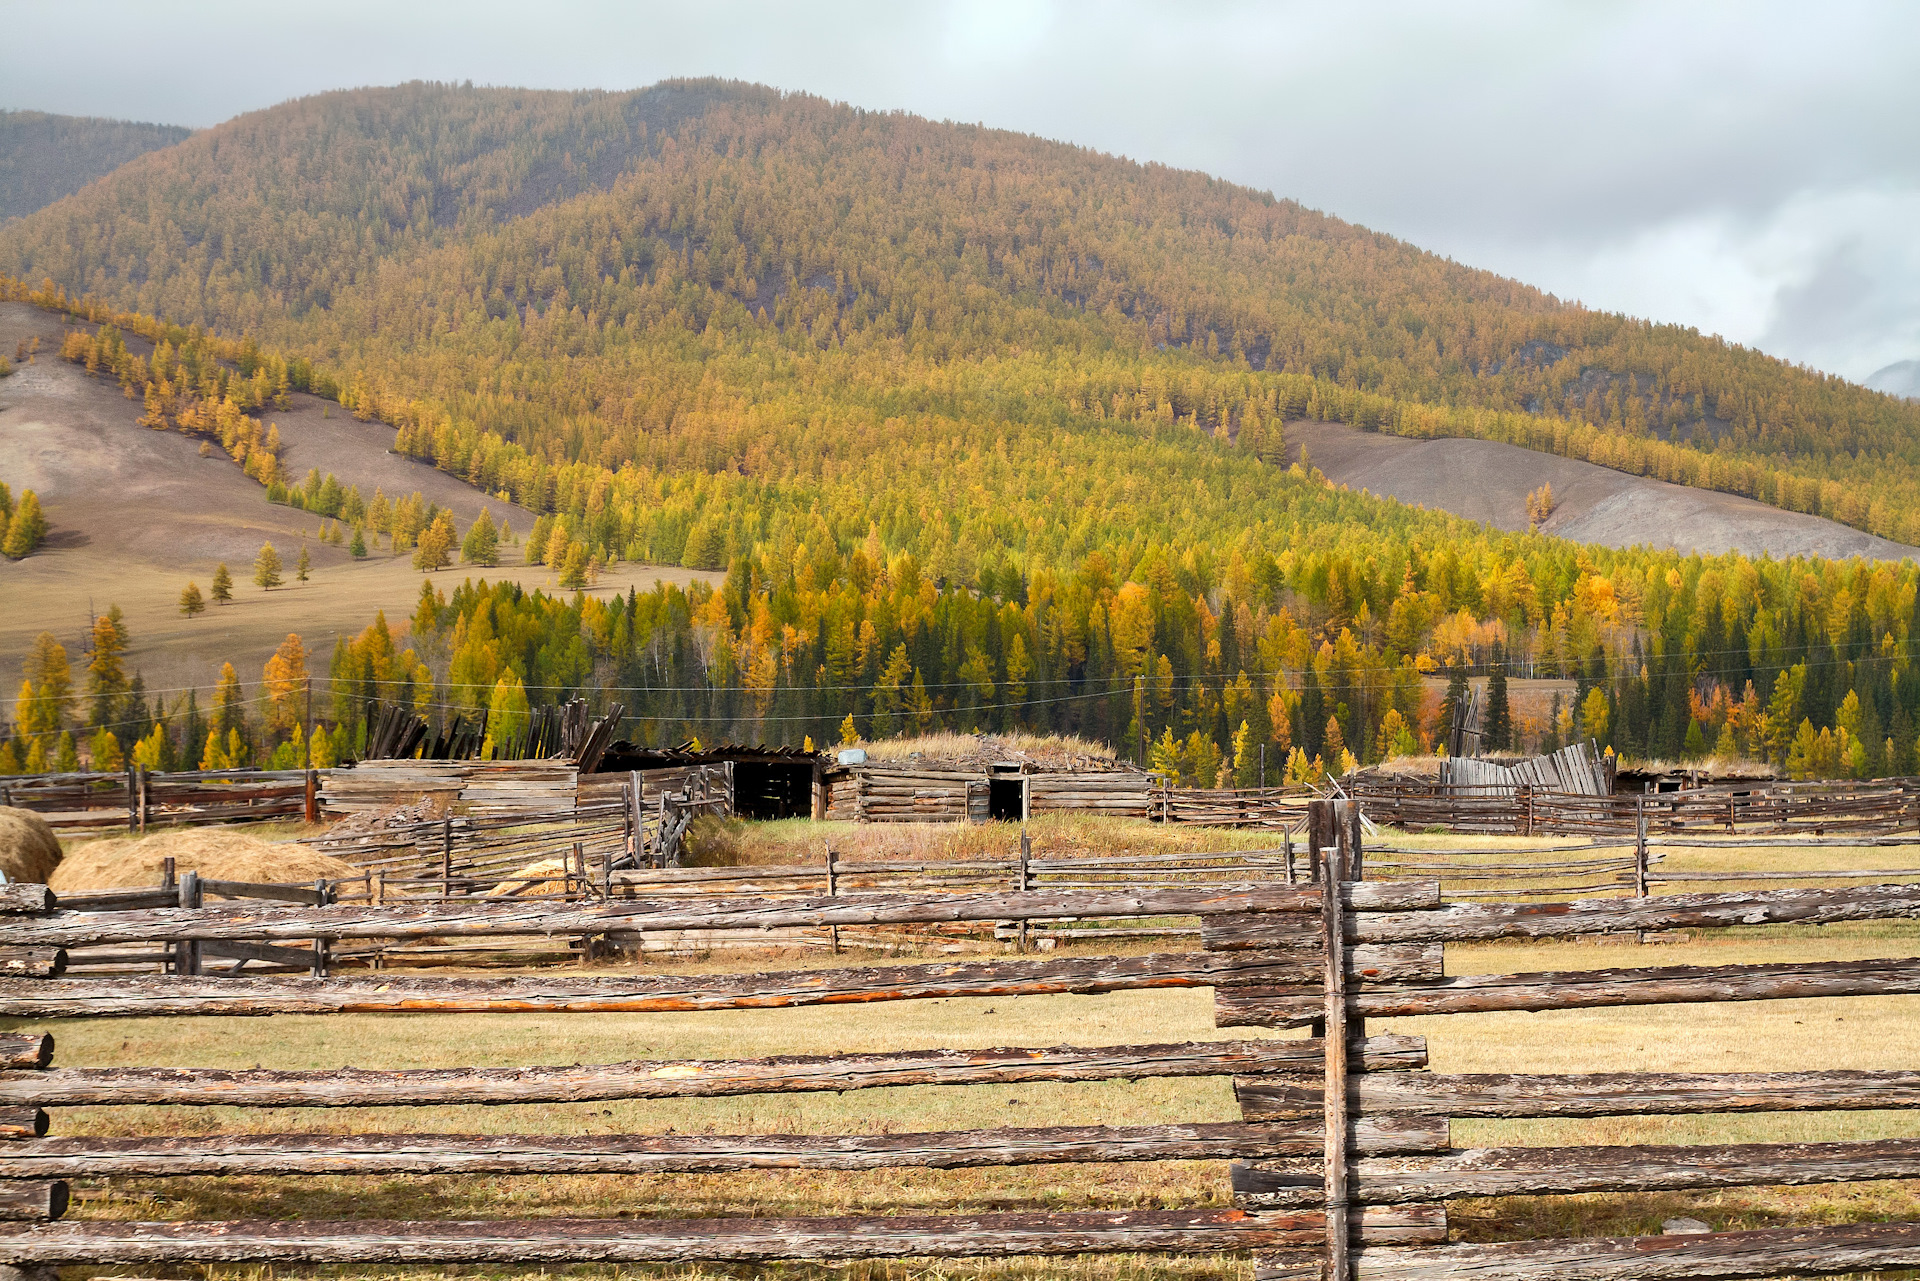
x: 1752, y: 169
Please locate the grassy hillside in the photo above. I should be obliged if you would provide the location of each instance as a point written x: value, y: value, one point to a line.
x: 672, y: 276
x: 986, y: 431
x: 43, y: 157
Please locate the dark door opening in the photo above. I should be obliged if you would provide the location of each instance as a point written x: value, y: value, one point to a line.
x: 766, y: 789
x: 1003, y: 798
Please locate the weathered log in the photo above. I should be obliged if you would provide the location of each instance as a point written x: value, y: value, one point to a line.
x: 23, y: 898
x: 1477, y: 1172
x: 1586, y: 1094
x: 1251, y: 1006
x: 1466, y: 922
x: 32, y: 1202
x: 694, y: 1153
x: 1716, y: 1256
x: 655, y: 1240
x: 177, y: 994
x: 246, y: 922
x: 22, y: 1123
x: 24, y: 1051
x: 661, y: 1079
x: 33, y: 962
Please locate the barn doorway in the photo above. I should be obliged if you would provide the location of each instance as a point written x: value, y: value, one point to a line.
x: 773, y: 789
x: 1003, y: 798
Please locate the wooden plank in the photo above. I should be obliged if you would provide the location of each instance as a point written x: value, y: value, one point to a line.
x: 33, y: 962
x: 1460, y: 923
x: 22, y: 1123
x: 457, y: 920
x: 664, y: 1240
x: 25, y: 1051
x: 1538, y: 1171
x: 1326, y: 845
x: 177, y: 994
x: 21, y: 899
x: 1252, y: 1006
x: 22, y: 1201
x: 682, y: 1078
x: 687, y: 1153
x: 1587, y: 1094
x: 1768, y: 1252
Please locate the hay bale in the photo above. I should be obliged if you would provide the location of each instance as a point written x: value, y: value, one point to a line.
x: 547, y: 876
x: 216, y: 853
x: 29, y: 851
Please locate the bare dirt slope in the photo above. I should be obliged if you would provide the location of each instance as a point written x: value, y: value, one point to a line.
x: 135, y: 514
x: 1487, y: 481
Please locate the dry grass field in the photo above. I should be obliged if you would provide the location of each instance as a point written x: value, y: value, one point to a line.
x: 1775, y: 1035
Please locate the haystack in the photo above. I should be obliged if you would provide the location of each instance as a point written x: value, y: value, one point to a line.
x: 216, y: 853
x: 29, y: 851
x: 548, y: 876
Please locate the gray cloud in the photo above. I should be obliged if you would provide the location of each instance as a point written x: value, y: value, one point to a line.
x: 1751, y: 169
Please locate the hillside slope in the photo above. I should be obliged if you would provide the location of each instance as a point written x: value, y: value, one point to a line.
x: 135, y: 514
x: 44, y: 157
x: 1488, y: 481
x: 662, y: 277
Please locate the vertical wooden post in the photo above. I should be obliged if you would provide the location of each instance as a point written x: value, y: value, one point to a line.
x: 446, y: 857
x: 169, y: 952
x: 1353, y: 859
x: 133, y: 798
x: 146, y: 796
x: 1025, y: 881
x: 579, y: 868
x: 1286, y: 845
x: 1334, y: 1038
x: 323, y: 894
x: 313, y: 796
x: 1640, y: 847
x: 189, y: 897
x: 833, y: 888
x: 306, y: 744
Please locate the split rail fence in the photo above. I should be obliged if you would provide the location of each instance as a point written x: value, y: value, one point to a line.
x: 1343, y: 1160
x: 140, y: 798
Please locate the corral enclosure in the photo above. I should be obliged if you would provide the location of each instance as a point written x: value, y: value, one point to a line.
x: 1145, y: 1172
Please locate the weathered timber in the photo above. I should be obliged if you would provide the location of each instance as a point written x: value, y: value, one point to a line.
x: 660, y: 1079
x: 743, y: 1240
x: 263, y: 952
x: 694, y: 1153
x: 22, y: 1123
x: 466, y: 920
x: 23, y: 898
x: 1459, y: 923
x: 33, y: 962
x: 1767, y: 1252
x: 188, y: 994
x: 22, y: 1201
x: 25, y: 1050
x: 1476, y: 1172
x: 1576, y: 989
x: 1586, y: 1094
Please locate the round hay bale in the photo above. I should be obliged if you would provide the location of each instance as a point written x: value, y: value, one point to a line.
x: 216, y: 853
x: 548, y: 876
x: 29, y: 851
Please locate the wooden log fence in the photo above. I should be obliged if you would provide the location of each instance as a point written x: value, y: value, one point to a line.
x: 1342, y: 1157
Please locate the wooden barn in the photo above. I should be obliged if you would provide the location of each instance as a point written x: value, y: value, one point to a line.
x: 952, y: 780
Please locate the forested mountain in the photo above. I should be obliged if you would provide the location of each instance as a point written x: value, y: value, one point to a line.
x: 45, y: 157
x: 983, y: 428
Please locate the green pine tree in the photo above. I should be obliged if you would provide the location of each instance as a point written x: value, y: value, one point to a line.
x: 26, y: 528
x: 266, y: 568
x: 304, y: 569
x: 222, y: 585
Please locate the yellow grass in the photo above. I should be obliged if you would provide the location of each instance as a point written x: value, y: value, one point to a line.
x: 219, y: 853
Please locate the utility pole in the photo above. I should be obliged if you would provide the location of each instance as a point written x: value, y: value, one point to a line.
x: 306, y: 735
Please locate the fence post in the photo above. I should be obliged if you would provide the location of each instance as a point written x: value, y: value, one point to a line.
x: 446, y: 857
x: 1353, y: 859
x: 189, y: 897
x: 146, y: 796
x: 169, y: 952
x: 133, y: 797
x: 1025, y: 882
x: 1286, y: 845
x: 1333, y: 1039
x: 1640, y: 846
x: 324, y: 893
x: 833, y: 888
x: 313, y: 796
